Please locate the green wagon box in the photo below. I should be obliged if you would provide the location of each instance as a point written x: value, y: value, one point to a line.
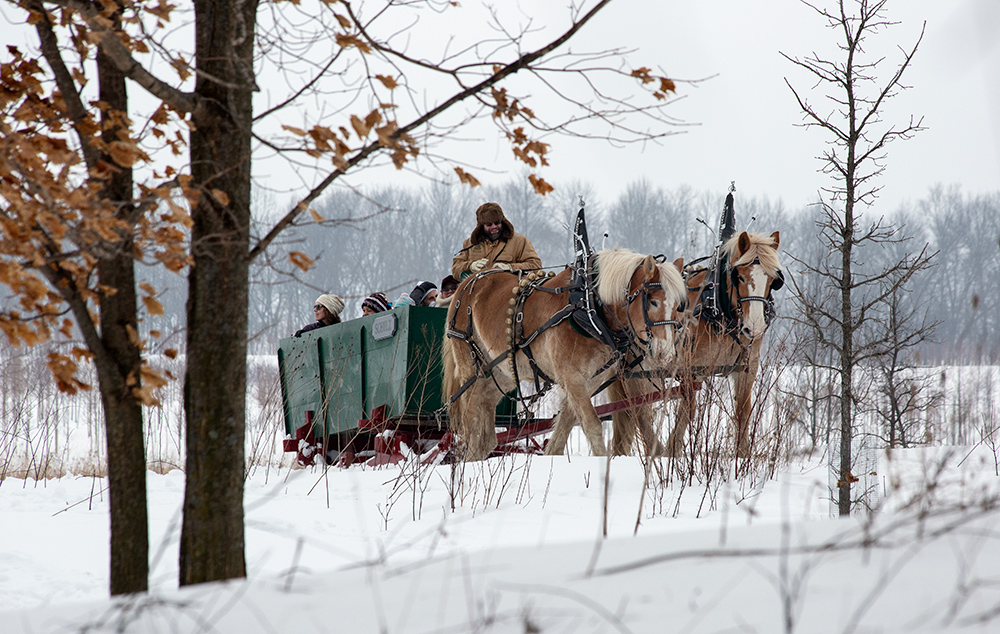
x: 340, y: 374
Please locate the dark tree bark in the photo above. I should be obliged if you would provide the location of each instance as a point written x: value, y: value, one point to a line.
x: 212, y: 540
x: 122, y: 411
x: 124, y: 423
x: 117, y: 356
x: 847, y: 327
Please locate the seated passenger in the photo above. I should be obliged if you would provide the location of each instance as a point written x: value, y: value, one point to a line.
x: 403, y: 300
x: 448, y: 287
x: 374, y: 303
x: 424, y: 294
x: 326, y: 311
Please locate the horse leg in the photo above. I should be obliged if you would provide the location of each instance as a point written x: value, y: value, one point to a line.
x: 471, y: 415
x: 569, y: 413
x: 686, y: 408
x: 648, y: 432
x: 458, y: 368
x: 626, y: 423
x: 623, y: 423
x: 479, y: 424
x: 578, y: 398
x: 643, y: 415
x: 594, y: 432
x: 561, y: 427
x: 742, y: 392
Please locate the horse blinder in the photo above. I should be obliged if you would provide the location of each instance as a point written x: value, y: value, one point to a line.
x: 779, y: 280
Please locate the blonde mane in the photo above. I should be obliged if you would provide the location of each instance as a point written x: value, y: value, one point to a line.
x: 761, y: 248
x: 673, y: 284
x: 615, y: 268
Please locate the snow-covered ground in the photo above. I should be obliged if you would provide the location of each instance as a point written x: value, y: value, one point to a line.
x: 516, y: 545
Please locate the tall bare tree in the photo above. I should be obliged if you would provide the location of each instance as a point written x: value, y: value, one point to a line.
x: 850, y: 113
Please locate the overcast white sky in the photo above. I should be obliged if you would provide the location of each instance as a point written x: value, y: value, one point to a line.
x: 742, y: 119
x: 746, y: 115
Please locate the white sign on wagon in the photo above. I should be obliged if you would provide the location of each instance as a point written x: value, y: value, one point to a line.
x: 384, y: 327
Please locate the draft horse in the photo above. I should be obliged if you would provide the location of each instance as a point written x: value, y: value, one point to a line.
x: 729, y: 307
x: 503, y: 329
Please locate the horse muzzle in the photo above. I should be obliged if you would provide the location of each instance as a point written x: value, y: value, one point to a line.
x: 661, y: 352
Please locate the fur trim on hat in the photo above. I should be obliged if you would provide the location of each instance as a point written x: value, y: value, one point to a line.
x: 420, y: 291
x: 332, y: 303
x: 491, y: 212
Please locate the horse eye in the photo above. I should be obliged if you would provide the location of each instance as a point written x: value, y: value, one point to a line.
x: 655, y: 303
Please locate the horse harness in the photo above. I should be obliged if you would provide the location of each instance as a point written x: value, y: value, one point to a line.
x: 714, y: 304
x: 583, y: 310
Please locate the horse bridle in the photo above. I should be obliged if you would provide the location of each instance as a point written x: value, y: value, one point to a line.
x: 768, y: 300
x: 650, y: 323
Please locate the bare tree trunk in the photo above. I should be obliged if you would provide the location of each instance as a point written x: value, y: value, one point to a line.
x: 124, y: 429
x: 122, y: 411
x: 846, y: 391
x: 847, y: 358
x: 212, y: 535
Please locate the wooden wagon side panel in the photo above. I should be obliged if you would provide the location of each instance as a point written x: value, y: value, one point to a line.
x: 385, y: 361
x: 343, y: 405
x: 301, y: 380
x: 425, y: 366
x: 344, y: 372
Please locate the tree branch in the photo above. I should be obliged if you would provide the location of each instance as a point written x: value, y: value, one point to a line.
x: 522, y: 63
x: 123, y: 59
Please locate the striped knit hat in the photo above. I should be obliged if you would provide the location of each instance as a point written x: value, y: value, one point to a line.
x: 377, y: 302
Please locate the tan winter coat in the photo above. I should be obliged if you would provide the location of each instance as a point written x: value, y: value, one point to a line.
x: 518, y: 252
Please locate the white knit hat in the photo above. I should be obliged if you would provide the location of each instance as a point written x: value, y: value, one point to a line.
x: 332, y: 303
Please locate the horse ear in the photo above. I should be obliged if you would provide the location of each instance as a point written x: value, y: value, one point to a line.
x: 649, y: 265
x: 744, y: 243
x: 679, y: 263
x: 776, y: 237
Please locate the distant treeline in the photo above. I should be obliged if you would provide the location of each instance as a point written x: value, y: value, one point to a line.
x: 390, y: 238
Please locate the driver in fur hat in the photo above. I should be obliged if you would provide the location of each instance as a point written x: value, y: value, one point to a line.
x: 494, y: 244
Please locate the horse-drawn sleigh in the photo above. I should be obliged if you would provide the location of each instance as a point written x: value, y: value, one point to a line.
x: 615, y: 319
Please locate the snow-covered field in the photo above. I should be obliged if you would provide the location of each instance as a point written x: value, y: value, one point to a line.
x: 524, y: 543
x: 382, y: 550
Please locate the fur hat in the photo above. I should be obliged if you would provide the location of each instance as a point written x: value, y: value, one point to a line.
x: 332, y: 303
x: 420, y: 290
x: 377, y: 302
x: 491, y: 212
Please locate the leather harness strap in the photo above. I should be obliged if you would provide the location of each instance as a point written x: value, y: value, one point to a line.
x: 618, y: 340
